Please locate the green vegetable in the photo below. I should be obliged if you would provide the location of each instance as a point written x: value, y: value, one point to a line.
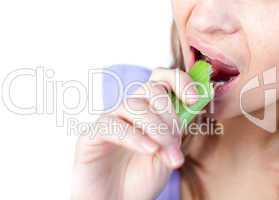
x: 200, y: 73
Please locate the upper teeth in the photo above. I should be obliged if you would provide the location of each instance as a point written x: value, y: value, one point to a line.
x: 216, y: 84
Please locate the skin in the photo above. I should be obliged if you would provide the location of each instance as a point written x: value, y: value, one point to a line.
x: 244, y: 163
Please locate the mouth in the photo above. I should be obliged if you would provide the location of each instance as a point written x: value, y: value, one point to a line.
x: 223, y: 76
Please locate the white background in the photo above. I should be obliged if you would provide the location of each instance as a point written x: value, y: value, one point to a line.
x: 68, y: 37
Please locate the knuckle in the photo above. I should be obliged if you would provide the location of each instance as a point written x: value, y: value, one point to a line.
x: 161, y: 87
x: 132, y: 106
x: 161, y: 103
x: 156, y: 73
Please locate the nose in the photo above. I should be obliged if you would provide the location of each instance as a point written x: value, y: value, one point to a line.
x: 213, y: 16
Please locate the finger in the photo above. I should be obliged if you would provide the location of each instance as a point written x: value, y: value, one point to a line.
x: 161, y: 104
x: 157, y: 130
x: 177, y: 81
x: 121, y: 133
x: 172, y: 157
x: 149, y: 122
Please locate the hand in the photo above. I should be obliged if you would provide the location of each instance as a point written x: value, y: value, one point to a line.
x: 137, y: 166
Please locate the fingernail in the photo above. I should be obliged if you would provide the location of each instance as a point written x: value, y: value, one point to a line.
x: 191, y: 97
x: 175, y: 155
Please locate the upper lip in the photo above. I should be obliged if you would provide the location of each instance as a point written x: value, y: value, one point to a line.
x: 211, y: 52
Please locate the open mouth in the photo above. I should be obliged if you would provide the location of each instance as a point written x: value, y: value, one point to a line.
x: 223, y: 75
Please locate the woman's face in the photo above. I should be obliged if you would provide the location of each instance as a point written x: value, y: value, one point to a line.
x: 237, y: 37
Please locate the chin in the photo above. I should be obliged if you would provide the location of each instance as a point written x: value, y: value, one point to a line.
x: 226, y: 108
x: 225, y: 115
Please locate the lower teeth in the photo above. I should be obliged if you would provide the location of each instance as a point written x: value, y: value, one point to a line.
x: 217, y: 84
x: 220, y: 83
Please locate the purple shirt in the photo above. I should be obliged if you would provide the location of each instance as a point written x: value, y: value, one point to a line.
x: 112, y: 95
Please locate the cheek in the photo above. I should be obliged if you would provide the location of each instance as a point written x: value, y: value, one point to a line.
x: 263, y: 42
x: 251, y: 100
x: 181, y: 12
x: 262, y: 30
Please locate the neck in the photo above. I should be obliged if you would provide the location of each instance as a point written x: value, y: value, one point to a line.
x: 244, y: 137
x: 241, y: 140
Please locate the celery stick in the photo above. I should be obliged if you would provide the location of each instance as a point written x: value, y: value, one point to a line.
x: 200, y: 73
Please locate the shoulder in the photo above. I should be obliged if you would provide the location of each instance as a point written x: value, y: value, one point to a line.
x: 117, y: 77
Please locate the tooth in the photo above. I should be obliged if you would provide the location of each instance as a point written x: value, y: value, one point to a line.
x: 219, y: 83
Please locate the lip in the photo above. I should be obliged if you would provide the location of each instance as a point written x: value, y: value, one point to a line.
x: 209, y: 51
x: 220, y: 91
x: 213, y: 54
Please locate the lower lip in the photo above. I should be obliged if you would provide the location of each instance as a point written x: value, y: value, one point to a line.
x: 222, y: 90
x: 219, y: 91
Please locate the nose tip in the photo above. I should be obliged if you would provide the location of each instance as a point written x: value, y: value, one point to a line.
x: 213, y: 25
x: 213, y: 18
